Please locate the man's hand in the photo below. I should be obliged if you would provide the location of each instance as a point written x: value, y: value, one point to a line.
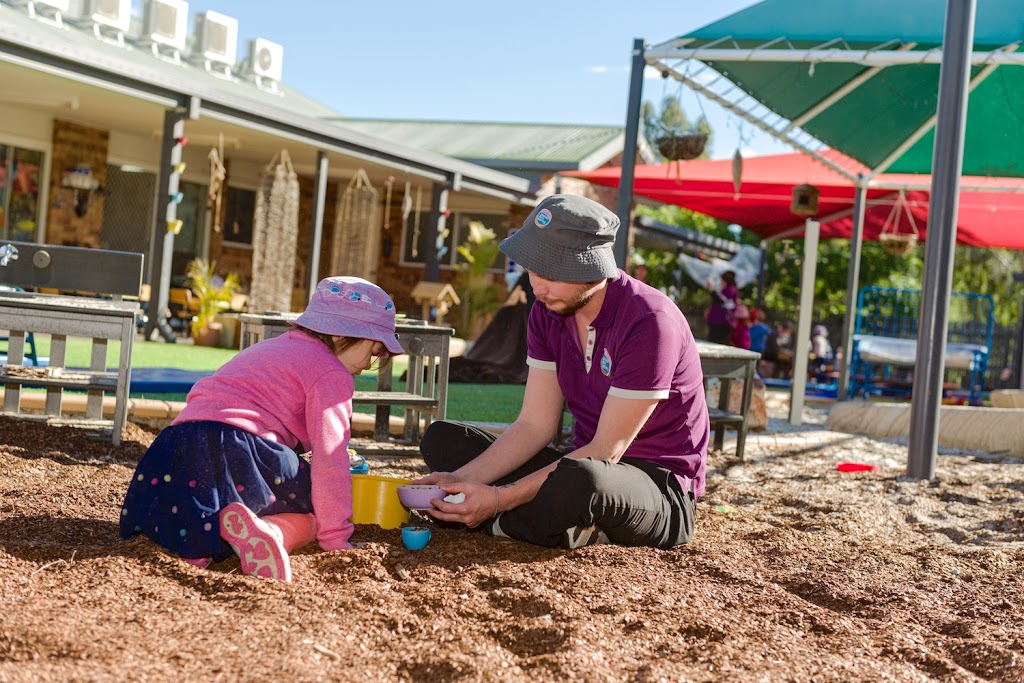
x: 437, y: 478
x: 480, y: 505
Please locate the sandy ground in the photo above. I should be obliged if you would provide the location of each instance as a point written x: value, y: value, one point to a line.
x: 798, y: 572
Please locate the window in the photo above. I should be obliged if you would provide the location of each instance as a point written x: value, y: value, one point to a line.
x: 19, y: 193
x: 457, y: 226
x: 241, y: 208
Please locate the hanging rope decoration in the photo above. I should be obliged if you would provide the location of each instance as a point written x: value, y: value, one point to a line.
x: 356, y: 239
x: 416, y: 223
x: 737, y: 174
x: 387, y: 201
x: 275, y: 236
x: 218, y: 173
x: 893, y: 241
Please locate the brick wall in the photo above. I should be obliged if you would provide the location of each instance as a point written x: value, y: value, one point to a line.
x: 75, y: 145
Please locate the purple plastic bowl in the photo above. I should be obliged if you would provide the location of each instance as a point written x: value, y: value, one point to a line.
x: 418, y: 496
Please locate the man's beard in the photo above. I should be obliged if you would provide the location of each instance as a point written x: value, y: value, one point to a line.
x: 574, y: 304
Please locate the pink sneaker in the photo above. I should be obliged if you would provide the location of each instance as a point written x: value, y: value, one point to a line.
x: 255, y: 542
x: 201, y: 562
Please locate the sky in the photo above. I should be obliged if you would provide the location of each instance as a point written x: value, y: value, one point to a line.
x: 557, y: 61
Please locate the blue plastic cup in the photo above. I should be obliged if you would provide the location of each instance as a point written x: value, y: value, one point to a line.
x: 415, y: 537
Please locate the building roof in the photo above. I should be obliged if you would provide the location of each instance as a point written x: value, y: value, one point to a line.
x: 31, y: 48
x: 538, y: 146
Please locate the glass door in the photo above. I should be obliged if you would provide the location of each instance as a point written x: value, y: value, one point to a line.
x: 19, y: 193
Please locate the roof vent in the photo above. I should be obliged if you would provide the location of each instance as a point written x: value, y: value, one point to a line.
x: 110, y: 19
x: 216, y: 42
x: 165, y: 27
x: 49, y: 11
x: 264, y: 63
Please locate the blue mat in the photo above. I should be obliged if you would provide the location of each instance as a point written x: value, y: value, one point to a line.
x: 829, y: 390
x: 164, y: 380
x: 148, y: 380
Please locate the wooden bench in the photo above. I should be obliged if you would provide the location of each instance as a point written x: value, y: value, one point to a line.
x: 100, y: 320
x: 426, y: 395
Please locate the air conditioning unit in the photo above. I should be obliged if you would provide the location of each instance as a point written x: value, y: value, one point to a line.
x: 53, y: 5
x: 47, y: 10
x: 216, y: 39
x: 165, y: 22
x: 112, y: 15
x: 265, y: 59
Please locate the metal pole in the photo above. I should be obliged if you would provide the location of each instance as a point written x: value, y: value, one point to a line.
x: 762, y: 276
x: 852, y: 284
x: 809, y: 269
x: 435, y: 228
x: 316, y: 236
x: 1018, y: 354
x: 161, y: 243
x: 625, y: 202
x: 941, y: 242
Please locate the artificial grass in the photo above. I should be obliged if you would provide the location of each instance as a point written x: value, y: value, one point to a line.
x: 471, y: 402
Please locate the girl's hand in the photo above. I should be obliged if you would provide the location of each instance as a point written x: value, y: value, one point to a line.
x: 480, y: 505
x: 437, y: 478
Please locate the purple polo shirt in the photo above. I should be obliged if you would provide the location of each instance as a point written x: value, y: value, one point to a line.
x: 639, y: 346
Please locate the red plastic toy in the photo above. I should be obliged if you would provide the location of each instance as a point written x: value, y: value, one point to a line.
x: 856, y: 467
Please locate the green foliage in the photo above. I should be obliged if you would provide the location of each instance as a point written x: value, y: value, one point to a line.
x: 481, y: 296
x: 982, y: 270
x: 213, y: 293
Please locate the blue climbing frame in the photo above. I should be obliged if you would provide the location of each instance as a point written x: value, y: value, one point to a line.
x: 885, y: 341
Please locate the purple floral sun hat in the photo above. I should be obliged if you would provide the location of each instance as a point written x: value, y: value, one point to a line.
x: 352, y: 307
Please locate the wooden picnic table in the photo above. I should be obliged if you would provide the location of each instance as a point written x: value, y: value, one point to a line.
x: 728, y: 363
x: 426, y: 395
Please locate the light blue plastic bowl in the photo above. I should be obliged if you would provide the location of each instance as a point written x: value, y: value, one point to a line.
x: 415, y: 537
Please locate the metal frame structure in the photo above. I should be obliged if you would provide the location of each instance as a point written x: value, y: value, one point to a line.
x: 955, y: 57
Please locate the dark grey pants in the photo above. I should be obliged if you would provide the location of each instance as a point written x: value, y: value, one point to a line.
x: 634, y: 502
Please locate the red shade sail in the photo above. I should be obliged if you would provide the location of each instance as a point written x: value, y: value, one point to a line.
x: 762, y: 205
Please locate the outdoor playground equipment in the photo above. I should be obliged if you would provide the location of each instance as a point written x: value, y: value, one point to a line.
x: 885, y: 341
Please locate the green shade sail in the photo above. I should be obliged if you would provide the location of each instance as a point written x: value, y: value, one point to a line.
x: 880, y: 111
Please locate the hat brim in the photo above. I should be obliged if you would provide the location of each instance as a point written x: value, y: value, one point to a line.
x: 339, y: 326
x: 560, y: 263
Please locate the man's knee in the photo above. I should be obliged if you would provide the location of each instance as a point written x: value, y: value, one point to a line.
x: 436, y: 440
x: 579, y: 480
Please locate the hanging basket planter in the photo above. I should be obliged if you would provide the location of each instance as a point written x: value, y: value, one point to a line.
x: 682, y: 147
x: 898, y: 244
x: 893, y: 241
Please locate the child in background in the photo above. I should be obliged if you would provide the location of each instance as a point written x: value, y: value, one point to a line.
x: 821, y: 353
x: 759, y: 330
x: 225, y: 474
x: 740, y: 336
x: 721, y: 314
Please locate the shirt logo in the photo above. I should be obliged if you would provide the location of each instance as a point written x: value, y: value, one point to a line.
x: 606, y: 364
x: 543, y: 218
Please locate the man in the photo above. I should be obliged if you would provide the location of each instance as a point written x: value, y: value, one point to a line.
x: 622, y: 357
x: 777, y: 357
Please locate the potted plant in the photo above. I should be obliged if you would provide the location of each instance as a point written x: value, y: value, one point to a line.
x: 481, y: 295
x: 213, y: 295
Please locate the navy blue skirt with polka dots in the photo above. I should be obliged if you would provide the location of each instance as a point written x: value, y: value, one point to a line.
x: 193, y: 469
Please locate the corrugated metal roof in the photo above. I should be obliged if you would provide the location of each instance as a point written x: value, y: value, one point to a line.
x: 568, y: 144
x: 77, y: 54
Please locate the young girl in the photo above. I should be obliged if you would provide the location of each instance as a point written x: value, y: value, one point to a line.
x: 740, y: 336
x: 225, y: 475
